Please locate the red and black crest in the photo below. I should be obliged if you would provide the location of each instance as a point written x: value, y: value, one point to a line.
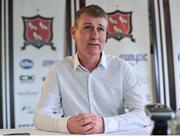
x: 38, y: 32
x: 120, y: 25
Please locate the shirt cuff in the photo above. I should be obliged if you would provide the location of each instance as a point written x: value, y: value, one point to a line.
x: 109, y: 124
x: 62, y: 124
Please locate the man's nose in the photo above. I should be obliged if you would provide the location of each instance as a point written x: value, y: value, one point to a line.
x: 94, y: 33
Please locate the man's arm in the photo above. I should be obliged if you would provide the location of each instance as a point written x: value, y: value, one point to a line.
x: 134, y: 101
x: 127, y: 121
x: 49, y: 123
x: 48, y: 114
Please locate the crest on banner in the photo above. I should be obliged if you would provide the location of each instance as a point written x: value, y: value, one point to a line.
x: 120, y: 25
x: 38, y: 32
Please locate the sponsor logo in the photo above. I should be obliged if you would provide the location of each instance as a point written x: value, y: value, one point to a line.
x: 179, y: 57
x: 26, y: 78
x: 43, y: 78
x: 25, y: 125
x: 26, y: 63
x: 120, y: 25
x: 28, y: 109
x: 38, y: 32
x: 48, y: 63
x: 134, y: 58
x: 149, y: 98
x: 28, y: 93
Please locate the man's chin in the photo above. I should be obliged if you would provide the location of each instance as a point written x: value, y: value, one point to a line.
x: 95, y: 53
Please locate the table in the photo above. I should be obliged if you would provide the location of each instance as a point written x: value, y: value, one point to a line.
x: 33, y: 131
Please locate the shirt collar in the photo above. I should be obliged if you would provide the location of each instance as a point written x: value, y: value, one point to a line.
x: 76, y: 62
x: 103, y: 61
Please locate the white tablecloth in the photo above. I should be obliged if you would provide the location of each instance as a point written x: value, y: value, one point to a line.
x: 33, y: 131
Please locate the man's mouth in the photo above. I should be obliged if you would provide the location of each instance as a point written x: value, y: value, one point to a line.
x: 93, y: 44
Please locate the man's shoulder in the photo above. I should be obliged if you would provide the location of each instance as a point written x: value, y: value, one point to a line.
x: 67, y: 61
x: 116, y: 59
x: 115, y: 62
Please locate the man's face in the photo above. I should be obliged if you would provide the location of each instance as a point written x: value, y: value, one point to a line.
x: 90, y: 35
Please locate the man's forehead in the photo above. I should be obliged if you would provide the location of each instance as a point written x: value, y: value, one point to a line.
x: 94, y: 24
x: 93, y: 20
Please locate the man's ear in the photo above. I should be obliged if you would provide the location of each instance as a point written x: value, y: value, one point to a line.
x: 73, y: 32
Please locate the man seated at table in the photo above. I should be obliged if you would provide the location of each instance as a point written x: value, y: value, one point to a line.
x: 89, y: 93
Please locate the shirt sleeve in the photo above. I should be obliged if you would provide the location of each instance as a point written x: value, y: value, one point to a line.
x: 48, y: 114
x: 127, y: 121
x: 49, y: 123
x: 134, y: 103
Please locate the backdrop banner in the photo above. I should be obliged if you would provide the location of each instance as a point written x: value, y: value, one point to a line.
x: 38, y: 33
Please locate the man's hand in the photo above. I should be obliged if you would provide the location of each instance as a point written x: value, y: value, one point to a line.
x: 85, y: 123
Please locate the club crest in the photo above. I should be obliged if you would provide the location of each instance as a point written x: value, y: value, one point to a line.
x: 120, y: 25
x: 38, y: 32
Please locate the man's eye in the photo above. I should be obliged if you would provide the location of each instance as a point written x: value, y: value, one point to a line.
x: 101, y: 29
x: 87, y: 27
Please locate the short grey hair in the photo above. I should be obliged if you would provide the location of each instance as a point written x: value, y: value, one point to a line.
x: 91, y: 10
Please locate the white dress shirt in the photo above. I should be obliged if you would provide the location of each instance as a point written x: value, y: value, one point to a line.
x: 107, y: 91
